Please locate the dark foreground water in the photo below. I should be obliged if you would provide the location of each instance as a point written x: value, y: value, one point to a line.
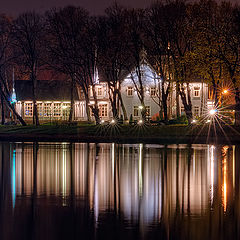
x: 111, y: 191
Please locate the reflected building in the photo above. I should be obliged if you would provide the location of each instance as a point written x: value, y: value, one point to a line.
x: 144, y: 184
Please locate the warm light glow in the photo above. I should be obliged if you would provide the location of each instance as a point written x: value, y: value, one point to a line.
x: 140, y: 122
x: 224, y: 185
x: 212, y: 112
x: 102, y: 121
x: 113, y: 121
x: 194, y: 121
x: 64, y: 107
x: 225, y: 91
x: 140, y: 107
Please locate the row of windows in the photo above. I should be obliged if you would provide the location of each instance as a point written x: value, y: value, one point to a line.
x: 153, y: 91
x: 137, y: 111
x: 48, y: 109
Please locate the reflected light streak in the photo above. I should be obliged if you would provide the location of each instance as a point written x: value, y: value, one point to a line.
x: 233, y: 174
x: 212, y: 172
x: 14, y: 178
x: 140, y: 169
x: 224, y: 186
x: 64, y: 178
x: 113, y: 160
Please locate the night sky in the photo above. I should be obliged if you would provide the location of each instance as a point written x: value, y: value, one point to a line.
x: 14, y: 7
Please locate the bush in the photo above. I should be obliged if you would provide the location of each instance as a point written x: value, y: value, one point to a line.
x: 181, y: 120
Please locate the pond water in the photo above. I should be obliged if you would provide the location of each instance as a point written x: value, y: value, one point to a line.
x: 119, y: 191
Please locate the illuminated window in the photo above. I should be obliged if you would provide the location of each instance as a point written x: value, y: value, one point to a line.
x: 99, y: 91
x: 196, y: 92
x: 28, y: 109
x: 153, y: 92
x: 47, y: 109
x: 57, y: 109
x: 210, y: 92
x: 103, y: 110
x: 90, y: 91
x: 130, y: 91
x: 66, y: 110
x: 196, y: 111
x: 182, y: 111
x: 135, y: 111
x: 40, y: 109
x: 147, y: 111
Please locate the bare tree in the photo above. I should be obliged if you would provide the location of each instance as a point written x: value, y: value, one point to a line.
x: 158, y: 46
x: 72, y: 51
x: 113, y: 54
x: 6, y: 57
x: 137, y: 53
x: 28, y: 36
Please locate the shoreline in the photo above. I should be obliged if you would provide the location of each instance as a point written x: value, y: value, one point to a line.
x: 124, y: 134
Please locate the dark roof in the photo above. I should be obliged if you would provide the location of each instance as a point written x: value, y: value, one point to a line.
x: 47, y: 90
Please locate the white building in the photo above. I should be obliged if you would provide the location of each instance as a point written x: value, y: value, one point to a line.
x: 53, y: 98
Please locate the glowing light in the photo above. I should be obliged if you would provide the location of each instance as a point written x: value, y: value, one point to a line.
x: 225, y: 91
x: 208, y: 121
x: 194, y: 121
x: 14, y: 178
x: 140, y: 107
x: 140, y: 122
x: 113, y: 121
x: 212, y: 112
x: 102, y: 121
x: 64, y: 107
x: 224, y: 185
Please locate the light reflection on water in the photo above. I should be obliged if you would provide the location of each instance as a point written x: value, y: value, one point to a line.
x: 57, y: 190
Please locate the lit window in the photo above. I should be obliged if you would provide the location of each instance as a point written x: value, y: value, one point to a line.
x: 182, y: 111
x: 90, y: 91
x: 196, y: 92
x: 130, y: 91
x: 153, y: 92
x: 57, y: 109
x: 103, y: 110
x: 99, y: 91
x: 40, y: 109
x: 47, y: 109
x: 196, y: 111
x: 66, y: 110
x: 135, y: 111
x: 28, y: 109
x: 147, y: 111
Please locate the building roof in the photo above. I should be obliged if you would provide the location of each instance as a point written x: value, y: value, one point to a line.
x: 47, y: 90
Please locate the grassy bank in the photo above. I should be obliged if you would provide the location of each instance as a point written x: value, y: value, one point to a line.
x: 122, y: 133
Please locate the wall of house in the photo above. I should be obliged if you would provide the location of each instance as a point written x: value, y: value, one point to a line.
x: 151, y: 83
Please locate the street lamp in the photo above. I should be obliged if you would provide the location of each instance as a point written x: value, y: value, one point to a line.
x: 212, y: 112
x: 225, y: 91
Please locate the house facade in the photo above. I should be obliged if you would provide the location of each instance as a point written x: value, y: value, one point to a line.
x: 53, y: 98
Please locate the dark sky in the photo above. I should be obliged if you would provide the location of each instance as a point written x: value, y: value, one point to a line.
x: 13, y: 7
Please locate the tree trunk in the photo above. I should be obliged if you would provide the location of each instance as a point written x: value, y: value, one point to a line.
x: 125, y: 117
x: 11, y: 107
x: 35, y: 111
x: 177, y: 101
x: 187, y: 103
x: 95, y: 109
x: 3, y: 112
x: 237, y: 101
x: 72, y: 101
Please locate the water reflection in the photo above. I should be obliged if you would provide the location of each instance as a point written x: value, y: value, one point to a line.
x: 140, y: 191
